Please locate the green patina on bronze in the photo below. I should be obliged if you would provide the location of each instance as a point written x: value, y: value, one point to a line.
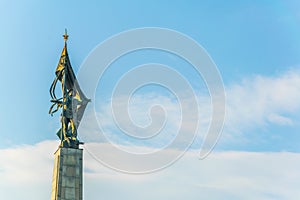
x: 73, y: 101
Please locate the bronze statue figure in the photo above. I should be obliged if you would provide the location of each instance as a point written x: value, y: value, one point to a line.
x: 73, y: 102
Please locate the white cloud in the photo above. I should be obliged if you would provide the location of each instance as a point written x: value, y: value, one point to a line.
x: 26, y: 173
x: 259, y: 100
x: 260, y: 104
x: 255, y: 103
x: 278, y: 119
x: 164, y: 121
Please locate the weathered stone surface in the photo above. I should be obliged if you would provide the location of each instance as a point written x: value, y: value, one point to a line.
x: 67, y: 175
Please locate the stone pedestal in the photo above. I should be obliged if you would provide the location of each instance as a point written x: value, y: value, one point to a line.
x: 67, y: 174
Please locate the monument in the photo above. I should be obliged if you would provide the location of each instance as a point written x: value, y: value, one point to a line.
x: 67, y: 172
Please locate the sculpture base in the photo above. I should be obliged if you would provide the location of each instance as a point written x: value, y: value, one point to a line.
x: 68, y: 141
x: 67, y: 174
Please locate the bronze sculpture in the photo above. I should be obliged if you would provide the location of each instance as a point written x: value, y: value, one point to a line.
x: 73, y: 101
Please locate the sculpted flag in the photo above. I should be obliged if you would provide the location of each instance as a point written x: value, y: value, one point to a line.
x: 73, y: 101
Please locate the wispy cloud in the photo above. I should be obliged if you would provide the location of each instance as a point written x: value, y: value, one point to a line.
x: 254, y: 103
x: 259, y: 100
x: 258, y: 107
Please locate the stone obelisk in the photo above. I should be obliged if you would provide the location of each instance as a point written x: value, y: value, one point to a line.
x: 67, y: 174
x: 68, y: 164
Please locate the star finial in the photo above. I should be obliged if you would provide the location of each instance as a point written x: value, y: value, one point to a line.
x: 65, y: 35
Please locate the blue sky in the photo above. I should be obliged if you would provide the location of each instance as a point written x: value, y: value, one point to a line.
x: 244, y: 39
x: 255, y: 45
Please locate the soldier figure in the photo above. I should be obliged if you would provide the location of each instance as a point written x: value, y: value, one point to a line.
x: 73, y: 102
x: 70, y: 107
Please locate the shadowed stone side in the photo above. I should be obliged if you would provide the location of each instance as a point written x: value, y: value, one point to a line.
x: 67, y: 174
